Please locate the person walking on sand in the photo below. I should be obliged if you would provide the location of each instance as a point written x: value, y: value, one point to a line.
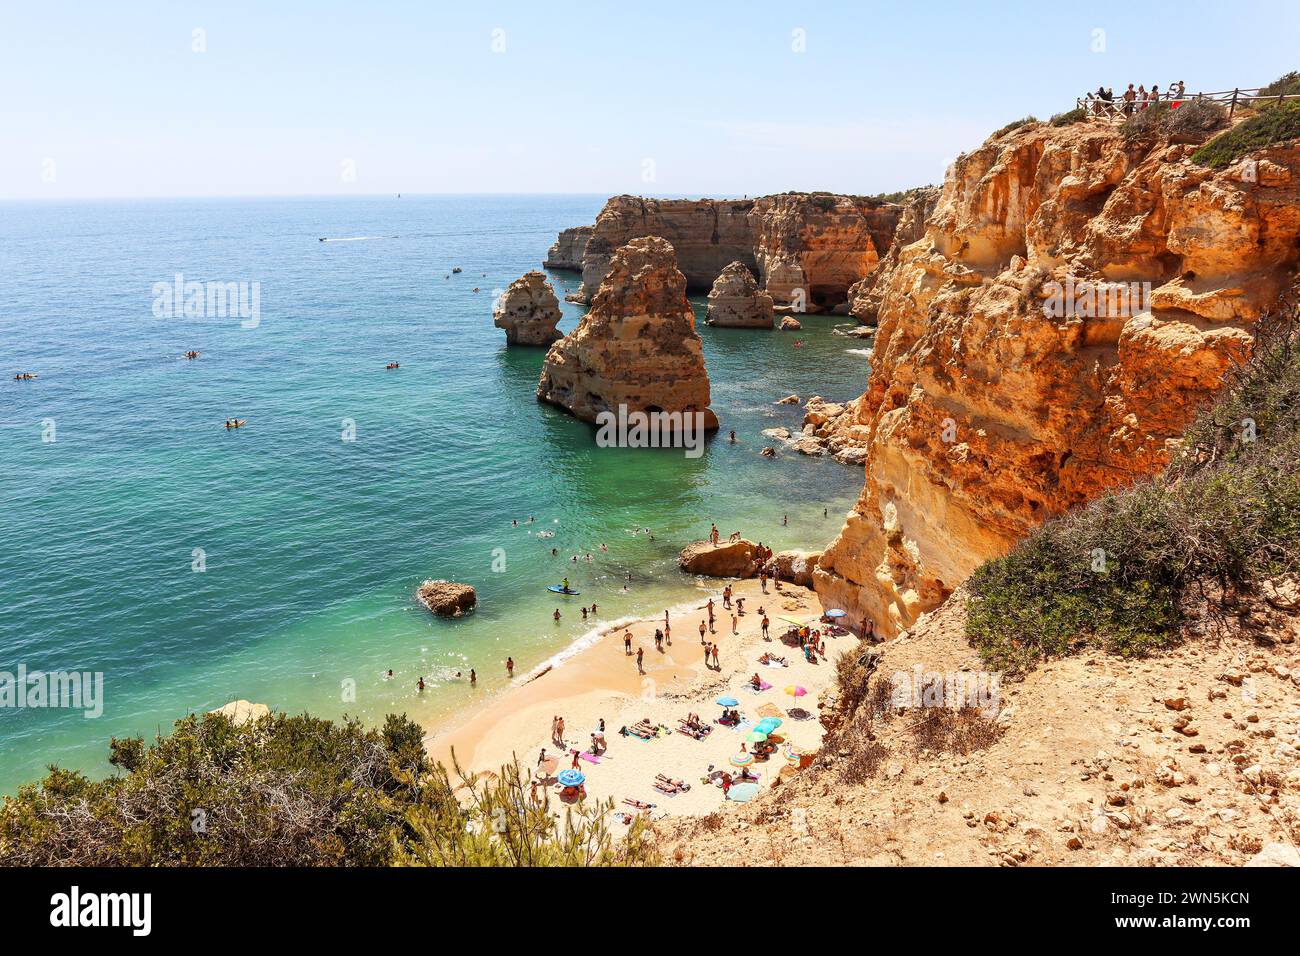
x: 726, y: 596
x: 659, y: 640
x: 735, y: 624
x: 765, y: 624
x: 707, y: 649
x: 576, y: 759
x: 559, y: 731
x: 702, y: 630
x: 762, y: 580
x: 640, y: 656
x: 541, y: 757
x: 716, y: 664
x: 668, y: 634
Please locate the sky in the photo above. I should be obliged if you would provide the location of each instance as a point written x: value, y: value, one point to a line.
x: 138, y: 98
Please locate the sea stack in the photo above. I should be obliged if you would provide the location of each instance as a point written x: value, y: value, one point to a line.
x: 736, y: 300
x: 529, y: 311
x: 636, y: 347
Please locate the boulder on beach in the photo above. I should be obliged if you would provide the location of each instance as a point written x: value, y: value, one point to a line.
x: 797, y: 566
x: 728, y: 559
x: 447, y: 597
x: 242, y: 711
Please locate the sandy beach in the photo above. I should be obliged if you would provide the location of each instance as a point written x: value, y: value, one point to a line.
x: 602, y: 681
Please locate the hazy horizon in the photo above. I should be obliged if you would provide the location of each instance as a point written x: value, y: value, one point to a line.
x: 197, y: 100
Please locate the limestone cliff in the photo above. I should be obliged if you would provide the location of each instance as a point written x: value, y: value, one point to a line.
x: 1016, y: 371
x: 735, y: 300
x: 568, y: 249
x: 637, y: 345
x: 529, y: 311
x: 817, y: 242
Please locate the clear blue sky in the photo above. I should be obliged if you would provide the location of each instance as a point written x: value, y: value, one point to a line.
x: 108, y: 99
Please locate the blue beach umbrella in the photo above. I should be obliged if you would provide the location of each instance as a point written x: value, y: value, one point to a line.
x: 742, y: 792
x: 571, y: 778
x: 768, y: 724
x: 727, y: 702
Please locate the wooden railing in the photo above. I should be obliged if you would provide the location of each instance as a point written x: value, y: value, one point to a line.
x: 1118, y: 109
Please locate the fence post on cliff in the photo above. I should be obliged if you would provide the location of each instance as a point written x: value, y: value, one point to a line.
x: 1233, y: 108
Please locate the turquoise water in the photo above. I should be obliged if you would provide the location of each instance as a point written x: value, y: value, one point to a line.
x: 314, y: 545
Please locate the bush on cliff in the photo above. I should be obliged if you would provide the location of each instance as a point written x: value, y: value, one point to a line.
x: 1268, y: 127
x: 1076, y: 115
x: 1193, y: 119
x: 1122, y: 572
x: 1015, y: 124
x: 1285, y: 85
x: 292, y: 791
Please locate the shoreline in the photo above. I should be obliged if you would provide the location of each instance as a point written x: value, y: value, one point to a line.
x: 601, y: 681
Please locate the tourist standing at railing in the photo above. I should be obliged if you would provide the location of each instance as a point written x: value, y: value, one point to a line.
x: 1155, y: 93
x: 1176, y: 94
x: 1130, y: 95
x: 1141, y: 98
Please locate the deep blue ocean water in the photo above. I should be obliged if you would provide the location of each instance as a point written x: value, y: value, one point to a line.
x: 313, y: 546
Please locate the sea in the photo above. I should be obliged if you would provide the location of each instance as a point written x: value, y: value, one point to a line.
x: 180, y: 565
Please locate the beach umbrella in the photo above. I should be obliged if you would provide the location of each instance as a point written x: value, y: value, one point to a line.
x: 727, y: 702
x: 836, y: 612
x: 769, y: 724
x: 742, y: 792
x: 755, y: 736
x: 794, y: 690
x: 742, y: 759
x: 571, y: 778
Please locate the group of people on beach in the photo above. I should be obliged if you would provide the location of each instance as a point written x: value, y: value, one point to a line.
x: 1134, y: 100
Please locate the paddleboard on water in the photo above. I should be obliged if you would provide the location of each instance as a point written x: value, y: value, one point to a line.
x: 559, y: 590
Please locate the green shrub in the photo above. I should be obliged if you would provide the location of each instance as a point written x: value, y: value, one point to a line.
x: 1015, y: 124
x: 1285, y: 85
x: 1268, y: 127
x: 1120, y: 572
x: 297, y: 791
x: 1076, y: 115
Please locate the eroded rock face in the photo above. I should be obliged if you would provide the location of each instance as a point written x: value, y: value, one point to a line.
x: 637, y: 346
x: 729, y: 559
x: 865, y: 294
x: 447, y: 598
x: 567, y: 251
x: 529, y: 311
x: 806, y: 249
x: 988, y: 409
x: 797, y: 567
x: 736, y: 300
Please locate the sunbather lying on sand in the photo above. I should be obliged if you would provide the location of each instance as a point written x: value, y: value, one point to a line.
x: 773, y: 659
x: 669, y: 785
x: 638, y: 804
x: 636, y: 731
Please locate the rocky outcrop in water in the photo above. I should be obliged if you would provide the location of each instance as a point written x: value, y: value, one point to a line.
x: 637, y: 346
x: 1014, y: 377
x: 736, y: 301
x: 447, y: 598
x: 567, y: 251
x: 528, y: 311
x: 806, y: 249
